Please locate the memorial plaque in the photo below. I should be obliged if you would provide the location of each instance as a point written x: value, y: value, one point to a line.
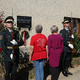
x: 24, y: 22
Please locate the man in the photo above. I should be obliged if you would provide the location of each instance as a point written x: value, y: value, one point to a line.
x: 10, y: 42
x: 65, y: 33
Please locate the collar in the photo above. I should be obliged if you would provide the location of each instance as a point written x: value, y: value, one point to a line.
x: 10, y: 30
x: 66, y: 29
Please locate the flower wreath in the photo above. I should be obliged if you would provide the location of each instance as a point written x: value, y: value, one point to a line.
x: 26, y: 34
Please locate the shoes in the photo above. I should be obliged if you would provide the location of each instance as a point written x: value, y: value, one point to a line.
x: 71, y: 66
x: 64, y: 73
x: 13, y: 76
x: 69, y: 73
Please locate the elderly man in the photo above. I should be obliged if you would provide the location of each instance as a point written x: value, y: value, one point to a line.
x: 10, y: 42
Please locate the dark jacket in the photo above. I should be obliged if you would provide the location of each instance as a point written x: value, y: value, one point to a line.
x: 7, y: 47
x: 66, y: 39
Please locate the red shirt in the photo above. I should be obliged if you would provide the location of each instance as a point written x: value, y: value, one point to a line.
x: 39, y: 41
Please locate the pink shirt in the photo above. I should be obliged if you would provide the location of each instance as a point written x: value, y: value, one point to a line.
x: 55, y: 48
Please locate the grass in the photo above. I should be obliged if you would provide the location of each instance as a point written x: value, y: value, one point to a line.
x: 78, y: 62
x: 31, y: 76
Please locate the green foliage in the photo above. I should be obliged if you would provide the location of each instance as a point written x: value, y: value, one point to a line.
x: 31, y: 76
x: 1, y: 56
x: 1, y: 29
x: 76, y: 41
x: 78, y: 62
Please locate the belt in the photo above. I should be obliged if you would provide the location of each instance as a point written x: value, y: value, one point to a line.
x: 68, y: 41
x: 10, y: 47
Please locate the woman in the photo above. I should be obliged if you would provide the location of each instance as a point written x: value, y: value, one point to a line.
x: 55, y: 48
x: 38, y: 52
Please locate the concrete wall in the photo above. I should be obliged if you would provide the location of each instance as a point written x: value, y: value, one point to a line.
x: 44, y: 12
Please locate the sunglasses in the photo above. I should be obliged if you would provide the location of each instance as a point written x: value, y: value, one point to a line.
x: 10, y: 22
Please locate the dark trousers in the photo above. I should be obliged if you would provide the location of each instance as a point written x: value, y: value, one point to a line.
x: 54, y: 73
x: 10, y: 68
x: 66, y: 56
x: 65, y: 60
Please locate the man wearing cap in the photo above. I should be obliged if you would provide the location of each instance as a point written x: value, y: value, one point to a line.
x: 65, y: 33
x: 10, y: 47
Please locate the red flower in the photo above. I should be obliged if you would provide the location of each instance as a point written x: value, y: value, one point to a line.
x: 74, y: 31
x: 77, y: 36
x: 0, y: 21
x: 0, y: 49
x: 24, y: 31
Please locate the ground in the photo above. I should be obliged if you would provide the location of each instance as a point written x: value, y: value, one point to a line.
x: 27, y: 71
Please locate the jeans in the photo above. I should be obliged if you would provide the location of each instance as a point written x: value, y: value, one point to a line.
x: 39, y: 69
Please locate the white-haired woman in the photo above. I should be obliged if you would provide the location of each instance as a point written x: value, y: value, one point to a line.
x: 55, y: 48
x: 38, y: 52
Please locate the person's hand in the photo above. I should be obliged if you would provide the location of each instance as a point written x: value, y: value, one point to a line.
x: 23, y: 38
x: 14, y: 42
x: 47, y: 58
x: 72, y: 36
x: 11, y: 56
x: 71, y: 46
x: 30, y: 59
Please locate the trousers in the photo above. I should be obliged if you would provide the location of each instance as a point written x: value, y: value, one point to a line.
x: 66, y: 56
x: 10, y: 68
x: 39, y: 69
x: 54, y: 73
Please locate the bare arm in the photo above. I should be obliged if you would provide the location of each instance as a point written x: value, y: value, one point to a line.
x: 31, y: 51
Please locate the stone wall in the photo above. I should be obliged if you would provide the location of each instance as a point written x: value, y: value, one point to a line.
x: 44, y: 12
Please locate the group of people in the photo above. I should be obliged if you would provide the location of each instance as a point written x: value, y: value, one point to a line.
x: 41, y: 49
x: 51, y: 49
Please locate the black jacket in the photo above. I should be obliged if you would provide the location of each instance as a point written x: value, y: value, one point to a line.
x: 7, y: 47
x: 66, y: 39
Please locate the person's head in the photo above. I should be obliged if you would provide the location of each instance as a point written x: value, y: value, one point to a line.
x: 9, y: 22
x: 38, y: 28
x: 65, y: 23
x: 54, y: 29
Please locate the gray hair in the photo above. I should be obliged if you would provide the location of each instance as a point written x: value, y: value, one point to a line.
x: 54, y: 29
x: 38, y: 28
